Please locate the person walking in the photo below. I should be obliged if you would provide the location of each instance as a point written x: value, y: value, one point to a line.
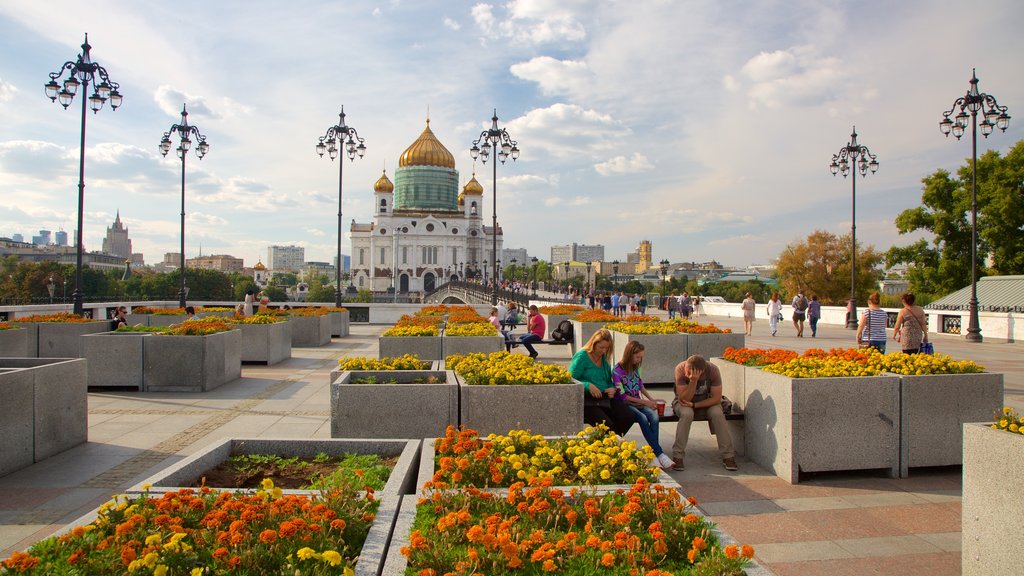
x: 630, y: 389
x: 799, y: 312
x: 814, y: 314
x: 748, y: 306
x: 673, y: 305
x: 910, y: 329
x: 774, y: 312
x: 871, y: 330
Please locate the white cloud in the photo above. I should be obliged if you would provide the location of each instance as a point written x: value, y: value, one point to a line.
x: 533, y: 21
x: 552, y: 75
x: 574, y: 201
x: 622, y: 165
x: 451, y: 24
x: 795, y: 77
x: 316, y: 232
x: 565, y: 131
x: 204, y: 218
x: 7, y: 91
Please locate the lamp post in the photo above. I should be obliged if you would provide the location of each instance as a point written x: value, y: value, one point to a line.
x: 533, y: 260
x: 50, y: 287
x: 80, y: 73
x: 336, y: 138
x: 841, y: 162
x: 995, y: 117
x: 498, y: 141
x: 484, y: 272
x: 588, y: 275
x: 185, y: 133
x: 615, y: 269
x: 664, y: 272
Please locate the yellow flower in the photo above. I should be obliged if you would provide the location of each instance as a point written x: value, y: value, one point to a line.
x: 197, y: 572
x: 153, y: 539
x: 267, y: 483
x: 160, y: 570
x: 332, y: 557
x: 306, y: 553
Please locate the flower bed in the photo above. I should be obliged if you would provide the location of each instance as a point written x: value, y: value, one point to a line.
x: 265, y: 339
x: 364, y: 363
x: 412, y: 335
x: 195, y: 356
x: 393, y: 403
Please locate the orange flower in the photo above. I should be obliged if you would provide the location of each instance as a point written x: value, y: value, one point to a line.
x: 268, y: 536
x: 220, y: 553
x: 699, y: 543
x: 338, y: 524
x: 731, y: 551
x: 748, y: 551
x: 692, y: 555
x: 549, y: 566
x: 608, y: 559
x: 127, y: 555
x: 74, y: 558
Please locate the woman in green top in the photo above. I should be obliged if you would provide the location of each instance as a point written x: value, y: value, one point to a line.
x: 592, y: 366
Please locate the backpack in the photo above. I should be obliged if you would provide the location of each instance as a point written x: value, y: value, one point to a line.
x: 564, y: 332
x: 801, y: 304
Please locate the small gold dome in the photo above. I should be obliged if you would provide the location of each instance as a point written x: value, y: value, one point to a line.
x: 462, y: 198
x: 259, y: 265
x: 383, y: 184
x: 427, y: 150
x: 473, y: 187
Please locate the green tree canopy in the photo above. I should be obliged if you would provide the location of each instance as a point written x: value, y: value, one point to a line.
x: 821, y: 265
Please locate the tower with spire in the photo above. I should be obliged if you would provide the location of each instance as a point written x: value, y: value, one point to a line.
x: 117, y: 242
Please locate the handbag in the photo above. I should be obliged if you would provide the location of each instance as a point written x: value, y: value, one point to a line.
x: 927, y: 348
x: 602, y: 402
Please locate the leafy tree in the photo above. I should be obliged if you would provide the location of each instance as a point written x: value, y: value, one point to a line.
x: 821, y: 265
x: 943, y: 264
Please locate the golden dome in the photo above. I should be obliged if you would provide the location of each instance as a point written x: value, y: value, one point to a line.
x: 427, y: 150
x: 462, y: 198
x: 473, y: 187
x: 259, y: 265
x: 383, y: 184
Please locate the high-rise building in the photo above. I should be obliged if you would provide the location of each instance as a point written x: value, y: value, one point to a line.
x: 43, y: 239
x: 577, y: 252
x: 18, y: 238
x: 564, y: 253
x: 117, y: 243
x: 286, y: 258
x: 644, y: 258
x: 62, y: 238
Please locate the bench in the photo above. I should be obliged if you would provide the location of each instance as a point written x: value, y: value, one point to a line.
x: 736, y: 426
x: 510, y: 344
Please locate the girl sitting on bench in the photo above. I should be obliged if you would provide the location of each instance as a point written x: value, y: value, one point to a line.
x: 630, y: 389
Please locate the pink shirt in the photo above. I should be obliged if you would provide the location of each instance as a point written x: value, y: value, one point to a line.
x: 495, y: 322
x: 536, y: 325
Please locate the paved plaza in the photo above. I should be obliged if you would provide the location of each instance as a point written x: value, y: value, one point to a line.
x: 837, y: 524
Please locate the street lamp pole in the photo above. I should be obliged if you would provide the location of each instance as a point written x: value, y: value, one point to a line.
x: 80, y: 73
x: 841, y: 163
x: 664, y: 271
x: 615, y: 277
x: 588, y: 276
x: 995, y: 117
x: 533, y: 260
x: 185, y: 133
x: 502, y: 145
x: 50, y: 287
x: 340, y: 137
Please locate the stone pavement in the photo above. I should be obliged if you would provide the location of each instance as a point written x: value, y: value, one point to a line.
x: 831, y: 524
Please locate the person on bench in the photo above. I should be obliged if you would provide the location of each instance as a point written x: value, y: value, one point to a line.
x: 639, y: 402
x: 699, y: 397
x: 592, y: 366
x: 535, y: 327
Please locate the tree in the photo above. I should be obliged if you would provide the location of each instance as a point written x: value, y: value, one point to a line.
x: 943, y: 264
x: 821, y: 265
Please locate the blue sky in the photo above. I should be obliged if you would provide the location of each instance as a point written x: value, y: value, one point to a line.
x: 705, y: 127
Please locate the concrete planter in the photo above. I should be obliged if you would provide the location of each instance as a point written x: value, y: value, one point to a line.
x: 662, y: 352
x: 192, y: 363
x: 266, y: 343
x: 424, y: 347
x: 339, y: 324
x: 59, y: 339
x: 548, y: 409
x: 933, y: 410
x: 406, y: 408
x: 471, y: 344
x: 116, y: 359
x: 14, y: 342
x: 434, y: 366
x: 551, y: 321
x: 45, y: 409
x: 992, y: 500
x: 137, y: 319
x: 310, y: 331
x: 711, y: 345
x: 798, y: 425
x: 166, y: 319
x: 582, y: 331
x: 734, y: 382
x: 401, y: 481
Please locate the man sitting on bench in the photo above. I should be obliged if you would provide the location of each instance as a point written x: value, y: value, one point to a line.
x: 699, y: 396
x: 535, y: 327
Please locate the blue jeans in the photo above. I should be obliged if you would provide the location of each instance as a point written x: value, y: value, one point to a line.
x: 879, y: 344
x: 647, y: 418
x: 526, y: 339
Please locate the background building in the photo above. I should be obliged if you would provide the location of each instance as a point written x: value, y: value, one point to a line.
x: 577, y: 252
x: 222, y: 262
x: 62, y: 238
x: 519, y: 254
x: 286, y: 258
x: 117, y: 242
x: 43, y: 239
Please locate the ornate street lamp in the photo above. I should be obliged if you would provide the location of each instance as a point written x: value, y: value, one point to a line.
x: 664, y: 272
x: 534, y: 261
x: 588, y: 275
x: 340, y: 138
x: 841, y: 162
x: 615, y: 269
x: 497, y: 141
x: 50, y: 287
x: 995, y: 117
x: 186, y: 133
x: 81, y: 73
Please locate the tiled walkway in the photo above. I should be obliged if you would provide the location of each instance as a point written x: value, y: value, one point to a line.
x: 833, y: 524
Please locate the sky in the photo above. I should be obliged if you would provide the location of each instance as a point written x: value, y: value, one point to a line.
x: 706, y: 127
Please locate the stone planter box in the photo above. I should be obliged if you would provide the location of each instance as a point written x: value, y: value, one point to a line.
x: 310, y: 331
x: 137, y: 319
x: 582, y: 331
x: 435, y: 366
x: 165, y: 319
x: 401, y: 481
x: 44, y: 411
x: 470, y: 344
x: 548, y: 409
x: 933, y: 410
x: 266, y: 343
x: 192, y: 363
x: 339, y: 324
x: 424, y: 347
x: 662, y: 352
x: 711, y: 345
x: 992, y: 500
x: 551, y: 321
x: 798, y: 425
x: 734, y: 383
x: 59, y: 339
x: 116, y: 359
x: 14, y: 342
x: 385, y: 410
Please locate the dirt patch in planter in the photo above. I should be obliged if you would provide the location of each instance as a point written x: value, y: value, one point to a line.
x: 248, y: 471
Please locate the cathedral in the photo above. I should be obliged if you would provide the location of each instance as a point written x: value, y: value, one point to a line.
x: 425, y: 231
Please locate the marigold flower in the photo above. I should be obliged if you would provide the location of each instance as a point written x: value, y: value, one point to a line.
x: 608, y: 559
x: 692, y: 555
x: 748, y: 551
x: 268, y: 536
x: 731, y: 551
x: 332, y: 557
x: 699, y: 543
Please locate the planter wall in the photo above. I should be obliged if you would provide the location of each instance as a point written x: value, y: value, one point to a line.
x: 582, y: 331
x: 339, y: 324
x: 166, y: 319
x: 434, y: 366
x: 425, y: 347
x: 992, y: 501
x: 798, y: 425
x: 403, y: 409
x: 712, y: 345
x: 266, y: 343
x: 470, y: 344
x: 192, y: 363
x: 548, y: 409
x: 662, y: 352
x: 933, y: 410
x: 14, y: 342
x: 45, y: 409
x: 59, y: 339
x: 734, y: 383
x: 115, y: 359
x: 137, y: 319
x: 310, y: 331
x: 551, y: 321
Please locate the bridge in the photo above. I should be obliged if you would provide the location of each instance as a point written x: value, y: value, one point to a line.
x: 458, y: 292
